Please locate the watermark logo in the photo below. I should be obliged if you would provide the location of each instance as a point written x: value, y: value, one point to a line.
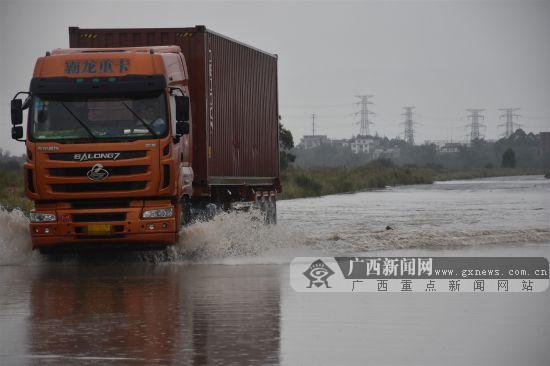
x: 318, y: 274
x: 420, y: 274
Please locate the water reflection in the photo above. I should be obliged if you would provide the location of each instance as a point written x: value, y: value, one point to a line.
x: 157, y: 314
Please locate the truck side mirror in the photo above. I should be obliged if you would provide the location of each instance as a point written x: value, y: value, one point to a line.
x: 17, y: 132
x: 16, y: 112
x: 182, y: 128
x: 182, y: 108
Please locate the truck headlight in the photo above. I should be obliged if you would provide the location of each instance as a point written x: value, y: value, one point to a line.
x: 42, y: 217
x: 158, y: 213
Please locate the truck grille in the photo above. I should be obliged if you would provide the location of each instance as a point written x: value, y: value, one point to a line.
x: 123, y: 155
x: 98, y: 187
x: 113, y: 171
x: 68, y: 173
x: 99, y: 217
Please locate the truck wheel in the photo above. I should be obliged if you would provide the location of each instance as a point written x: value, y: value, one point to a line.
x: 210, y: 210
x: 185, y: 213
x: 45, y: 251
x: 273, y: 211
x: 199, y: 211
x: 268, y: 208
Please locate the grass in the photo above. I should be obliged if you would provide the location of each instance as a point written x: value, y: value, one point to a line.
x: 12, y: 191
x: 377, y: 174
x: 299, y: 183
x: 484, y: 173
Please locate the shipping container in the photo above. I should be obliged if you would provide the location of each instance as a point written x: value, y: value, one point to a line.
x: 233, y: 100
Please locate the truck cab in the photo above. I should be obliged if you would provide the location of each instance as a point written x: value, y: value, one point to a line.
x: 108, y: 140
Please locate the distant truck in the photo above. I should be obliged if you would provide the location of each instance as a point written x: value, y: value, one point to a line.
x: 132, y: 133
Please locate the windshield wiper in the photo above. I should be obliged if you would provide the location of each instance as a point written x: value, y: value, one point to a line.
x: 79, y: 121
x: 141, y: 120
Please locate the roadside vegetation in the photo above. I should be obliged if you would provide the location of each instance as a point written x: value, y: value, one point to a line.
x: 331, y: 169
x: 377, y: 174
x: 484, y: 173
x: 299, y: 182
x: 12, y: 190
x: 520, y: 150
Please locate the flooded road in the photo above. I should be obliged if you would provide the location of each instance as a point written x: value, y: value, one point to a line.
x: 222, y: 296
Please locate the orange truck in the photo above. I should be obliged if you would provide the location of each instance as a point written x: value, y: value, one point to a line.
x: 133, y: 133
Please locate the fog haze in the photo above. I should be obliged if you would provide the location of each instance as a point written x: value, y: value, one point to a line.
x: 441, y: 57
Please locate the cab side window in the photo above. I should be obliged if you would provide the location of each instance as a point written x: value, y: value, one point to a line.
x: 173, y: 114
x: 173, y: 93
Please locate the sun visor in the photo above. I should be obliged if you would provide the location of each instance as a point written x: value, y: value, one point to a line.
x: 98, y: 85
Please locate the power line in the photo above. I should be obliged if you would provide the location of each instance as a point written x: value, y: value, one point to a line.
x: 409, y: 124
x: 317, y: 115
x: 364, y: 113
x: 439, y: 118
x: 308, y: 106
x: 537, y: 117
x: 475, y: 125
x: 509, y: 120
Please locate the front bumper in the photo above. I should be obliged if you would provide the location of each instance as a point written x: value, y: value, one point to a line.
x: 73, y: 226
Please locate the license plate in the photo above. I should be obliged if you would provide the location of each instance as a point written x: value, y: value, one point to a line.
x: 99, y: 229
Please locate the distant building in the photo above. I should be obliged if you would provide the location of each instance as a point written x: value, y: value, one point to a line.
x: 446, y: 147
x: 358, y: 144
x: 450, y: 147
x: 339, y: 142
x: 363, y: 144
x: 311, y: 141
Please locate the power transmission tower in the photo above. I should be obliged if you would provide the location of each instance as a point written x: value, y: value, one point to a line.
x: 364, y: 114
x: 509, y: 120
x: 409, y: 124
x: 313, y: 123
x: 475, y: 125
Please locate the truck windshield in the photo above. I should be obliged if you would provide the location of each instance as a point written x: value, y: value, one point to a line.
x: 98, y: 118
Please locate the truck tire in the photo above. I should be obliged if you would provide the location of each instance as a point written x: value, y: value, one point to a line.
x: 192, y: 212
x: 268, y: 209
x: 185, y: 213
x: 45, y: 251
x: 273, y: 211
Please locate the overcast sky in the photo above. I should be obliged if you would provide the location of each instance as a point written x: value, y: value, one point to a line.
x: 440, y: 56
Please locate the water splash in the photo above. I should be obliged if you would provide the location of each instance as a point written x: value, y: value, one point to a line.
x: 15, y: 240
x: 243, y: 238
x: 237, y: 238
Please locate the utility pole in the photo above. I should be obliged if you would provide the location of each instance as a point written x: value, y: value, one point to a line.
x: 364, y: 113
x: 509, y: 120
x: 475, y: 125
x: 313, y: 123
x: 409, y: 124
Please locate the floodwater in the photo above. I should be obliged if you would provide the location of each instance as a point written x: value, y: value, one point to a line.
x: 222, y: 295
